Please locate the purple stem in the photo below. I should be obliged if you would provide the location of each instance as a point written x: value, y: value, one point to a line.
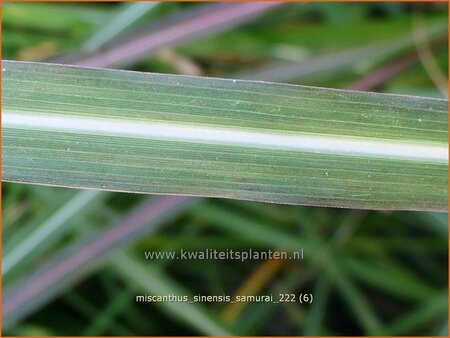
x: 144, y: 219
x: 384, y: 73
x: 211, y: 21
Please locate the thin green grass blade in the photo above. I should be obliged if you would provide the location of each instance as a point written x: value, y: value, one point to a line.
x: 358, y: 303
x: 49, y: 231
x: 108, y: 315
x: 155, y: 282
x: 126, y: 16
x: 390, y: 278
x: 420, y: 316
x: 168, y: 134
x: 316, y: 315
x: 341, y: 61
x: 86, y: 309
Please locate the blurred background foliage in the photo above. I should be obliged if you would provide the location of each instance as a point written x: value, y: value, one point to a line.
x: 73, y: 260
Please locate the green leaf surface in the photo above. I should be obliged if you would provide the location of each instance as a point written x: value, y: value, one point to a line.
x: 169, y: 134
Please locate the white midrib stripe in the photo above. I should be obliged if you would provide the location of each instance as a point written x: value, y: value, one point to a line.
x: 227, y: 136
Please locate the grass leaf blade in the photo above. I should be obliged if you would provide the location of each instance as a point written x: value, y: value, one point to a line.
x: 169, y: 134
